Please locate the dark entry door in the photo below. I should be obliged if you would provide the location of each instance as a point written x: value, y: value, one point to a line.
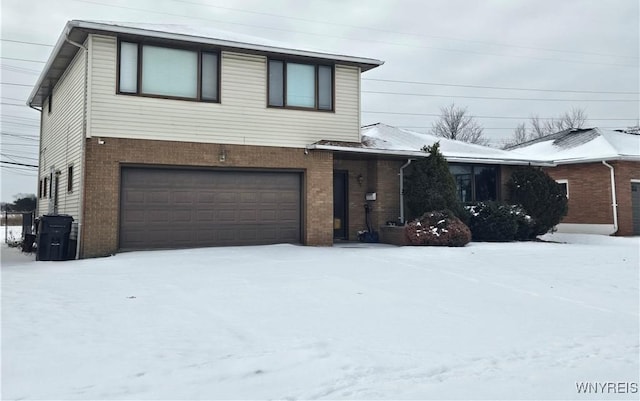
x: 340, y: 191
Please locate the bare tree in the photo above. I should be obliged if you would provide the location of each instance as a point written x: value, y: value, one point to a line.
x: 520, y: 135
x: 574, y: 118
x: 455, y: 123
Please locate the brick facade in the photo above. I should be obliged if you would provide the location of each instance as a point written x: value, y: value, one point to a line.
x: 589, y: 186
x: 102, y: 181
x: 379, y: 176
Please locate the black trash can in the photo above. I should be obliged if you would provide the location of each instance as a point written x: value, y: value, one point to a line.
x: 53, y: 237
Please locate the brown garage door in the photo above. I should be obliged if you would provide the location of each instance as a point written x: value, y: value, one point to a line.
x: 180, y: 208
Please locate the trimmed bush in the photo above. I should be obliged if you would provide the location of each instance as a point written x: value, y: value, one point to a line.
x: 430, y: 186
x: 541, y: 197
x: 500, y: 222
x: 439, y: 228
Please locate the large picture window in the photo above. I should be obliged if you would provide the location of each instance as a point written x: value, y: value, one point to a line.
x: 298, y: 85
x: 150, y: 70
x: 475, y: 183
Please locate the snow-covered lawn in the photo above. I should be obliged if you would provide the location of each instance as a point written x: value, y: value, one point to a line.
x: 498, y: 321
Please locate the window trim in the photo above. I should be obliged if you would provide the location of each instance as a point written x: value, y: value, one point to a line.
x: 566, y: 182
x: 197, y: 49
x: 70, y: 178
x: 472, y: 181
x: 316, y: 85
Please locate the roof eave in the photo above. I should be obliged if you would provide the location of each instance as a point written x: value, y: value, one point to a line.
x: 598, y: 159
x: 419, y: 154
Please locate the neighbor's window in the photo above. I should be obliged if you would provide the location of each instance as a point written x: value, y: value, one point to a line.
x: 44, y: 188
x: 70, y: 179
x: 40, y: 189
x: 299, y: 85
x: 168, y: 72
x: 564, y: 184
x: 475, y: 183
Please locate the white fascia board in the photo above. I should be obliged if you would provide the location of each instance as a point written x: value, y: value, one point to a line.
x: 52, y: 57
x: 597, y: 159
x: 223, y: 43
x: 418, y: 154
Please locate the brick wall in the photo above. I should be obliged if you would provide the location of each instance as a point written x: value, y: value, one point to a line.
x: 102, y: 181
x: 379, y: 176
x: 589, y: 192
x: 625, y: 171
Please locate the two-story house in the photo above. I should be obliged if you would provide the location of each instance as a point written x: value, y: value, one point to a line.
x: 164, y: 136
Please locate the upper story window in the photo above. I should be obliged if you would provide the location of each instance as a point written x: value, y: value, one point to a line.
x: 298, y: 85
x: 157, y: 71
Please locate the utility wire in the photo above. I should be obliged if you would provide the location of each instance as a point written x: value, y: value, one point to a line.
x: 18, y: 164
x: 496, y: 117
x: 405, y: 33
x: 499, y: 87
x: 500, y: 98
x: 22, y: 59
x: 347, y: 38
x: 15, y: 84
x: 25, y: 42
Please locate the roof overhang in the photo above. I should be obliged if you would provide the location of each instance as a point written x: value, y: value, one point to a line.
x: 416, y: 154
x: 77, y: 31
x: 631, y: 158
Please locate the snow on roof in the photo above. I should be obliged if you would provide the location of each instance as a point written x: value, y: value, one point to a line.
x: 382, y: 136
x: 582, y: 145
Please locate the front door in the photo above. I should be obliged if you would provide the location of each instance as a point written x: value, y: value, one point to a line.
x: 340, y: 191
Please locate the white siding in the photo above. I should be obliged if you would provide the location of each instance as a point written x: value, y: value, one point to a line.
x: 241, y: 118
x: 62, y: 138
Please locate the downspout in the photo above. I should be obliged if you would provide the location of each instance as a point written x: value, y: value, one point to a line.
x: 402, y: 189
x: 614, y: 202
x: 39, y: 162
x: 83, y: 140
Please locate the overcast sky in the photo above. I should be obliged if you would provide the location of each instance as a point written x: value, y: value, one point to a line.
x: 578, y: 51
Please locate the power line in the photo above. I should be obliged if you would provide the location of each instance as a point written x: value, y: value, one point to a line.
x: 25, y: 43
x: 15, y: 84
x: 18, y: 164
x: 13, y: 98
x: 484, y: 128
x: 347, y: 38
x: 496, y: 117
x: 404, y: 33
x: 22, y: 59
x: 22, y: 70
x: 25, y: 137
x: 500, y: 98
x: 498, y: 87
x: 11, y: 156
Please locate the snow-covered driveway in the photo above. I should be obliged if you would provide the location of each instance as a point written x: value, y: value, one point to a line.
x: 499, y: 321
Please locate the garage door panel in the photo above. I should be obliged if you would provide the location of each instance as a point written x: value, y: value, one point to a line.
x: 170, y: 208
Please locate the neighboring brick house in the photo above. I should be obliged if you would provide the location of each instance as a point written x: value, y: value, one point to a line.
x: 600, y: 170
x: 165, y: 136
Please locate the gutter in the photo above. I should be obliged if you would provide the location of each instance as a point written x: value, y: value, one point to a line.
x: 419, y: 154
x: 614, y: 202
x: 402, y: 189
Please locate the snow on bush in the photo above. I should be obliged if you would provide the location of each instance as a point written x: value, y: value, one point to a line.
x: 499, y: 222
x: 438, y: 228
